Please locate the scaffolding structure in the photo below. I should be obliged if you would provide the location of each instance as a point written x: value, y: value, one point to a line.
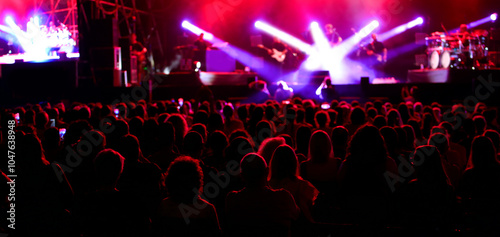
x: 66, y: 12
x: 59, y: 11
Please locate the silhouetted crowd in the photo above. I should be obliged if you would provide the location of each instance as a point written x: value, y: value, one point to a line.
x: 213, y: 168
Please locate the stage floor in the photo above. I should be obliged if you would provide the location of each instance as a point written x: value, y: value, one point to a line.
x: 442, y: 75
x: 58, y: 79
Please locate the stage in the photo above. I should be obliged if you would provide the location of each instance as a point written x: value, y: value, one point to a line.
x: 24, y: 82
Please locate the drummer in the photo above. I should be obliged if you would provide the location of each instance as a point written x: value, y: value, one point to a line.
x: 463, y: 34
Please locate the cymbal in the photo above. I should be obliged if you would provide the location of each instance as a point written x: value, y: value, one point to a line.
x: 445, y: 38
x: 480, y: 32
x: 433, y: 38
x: 437, y: 33
x: 449, y: 38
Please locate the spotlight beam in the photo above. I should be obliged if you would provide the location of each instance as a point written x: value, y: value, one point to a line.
x: 240, y: 55
x: 347, y: 45
x: 287, y: 38
x: 319, y: 37
x: 197, y: 31
x: 484, y: 20
x: 400, y: 29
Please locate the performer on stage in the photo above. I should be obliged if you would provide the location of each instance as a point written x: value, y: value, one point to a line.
x: 138, y: 50
x: 332, y: 35
x: 137, y: 47
x: 278, y: 50
x: 278, y: 53
x: 376, y: 50
x: 200, y: 51
x: 377, y: 53
x: 463, y: 34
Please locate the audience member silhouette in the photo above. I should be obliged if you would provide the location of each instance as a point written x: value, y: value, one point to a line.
x: 321, y: 166
x: 268, y: 146
x: 284, y: 173
x: 107, y: 211
x: 167, y: 152
x: 302, y: 140
x: 184, y: 212
x: 140, y: 178
x: 427, y: 202
x: 258, y: 210
x: 43, y: 195
x: 364, y: 190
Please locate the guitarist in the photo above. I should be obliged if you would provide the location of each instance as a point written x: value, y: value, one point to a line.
x: 332, y: 35
x: 377, y: 54
x: 377, y: 51
x: 137, y: 49
x: 278, y: 50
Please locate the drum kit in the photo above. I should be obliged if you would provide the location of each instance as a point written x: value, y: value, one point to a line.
x: 458, y: 50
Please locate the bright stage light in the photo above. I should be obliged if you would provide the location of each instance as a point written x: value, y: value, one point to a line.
x: 324, y: 57
x: 240, y: 55
x: 6, y: 29
x: 400, y: 29
x: 319, y: 38
x: 490, y: 18
x: 411, y: 24
x: 287, y: 38
x: 334, y: 59
x: 197, y: 31
x: 37, y: 20
x: 10, y: 21
x: 368, y: 29
x: 258, y: 24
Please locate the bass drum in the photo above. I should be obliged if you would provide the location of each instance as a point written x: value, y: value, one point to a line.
x: 437, y: 59
x: 445, y: 59
x: 434, y: 59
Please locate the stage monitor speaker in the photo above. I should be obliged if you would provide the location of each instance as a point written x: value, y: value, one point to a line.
x: 365, y: 81
x: 129, y: 61
x: 134, y: 72
x: 219, y: 61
